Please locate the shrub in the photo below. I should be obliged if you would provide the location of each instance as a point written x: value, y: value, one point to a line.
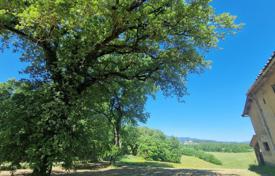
x: 154, y: 145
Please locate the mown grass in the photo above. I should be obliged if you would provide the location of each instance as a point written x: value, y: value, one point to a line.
x: 241, y: 164
x: 238, y: 162
x: 229, y: 161
x: 188, y: 151
x: 195, y: 163
x: 141, y: 162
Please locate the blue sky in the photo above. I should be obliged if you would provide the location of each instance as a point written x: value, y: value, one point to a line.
x: 215, y: 104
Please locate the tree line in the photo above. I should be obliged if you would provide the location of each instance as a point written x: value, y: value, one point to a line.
x: 222, y: 147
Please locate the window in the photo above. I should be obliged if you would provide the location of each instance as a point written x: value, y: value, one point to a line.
x: 273, y: 87
x: 266, y: 146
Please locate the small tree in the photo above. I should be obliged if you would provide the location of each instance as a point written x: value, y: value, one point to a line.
x: 123, y: 104
x: 130, y: 141
x: 154, y: 145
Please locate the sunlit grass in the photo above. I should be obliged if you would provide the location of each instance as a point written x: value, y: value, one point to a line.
x: 233, y: 164
x: 130, y: 158
x: 229, y: 160
x: 236, y: 162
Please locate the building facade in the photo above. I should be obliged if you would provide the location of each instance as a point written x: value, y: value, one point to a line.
x: 260, y: 107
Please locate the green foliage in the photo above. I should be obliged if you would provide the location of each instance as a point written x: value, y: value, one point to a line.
x: 113, y: 155
x: 188, y: 151
x: 174, y: 152
x: 76, y: 44
x: 222, y: 147
x: 121, y: 104
x: 130, y: 144
x: 153, y: 145
x: 31, y: 132
x: 153, y: 148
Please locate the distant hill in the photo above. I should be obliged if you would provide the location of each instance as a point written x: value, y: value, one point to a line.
x: 188, y: 140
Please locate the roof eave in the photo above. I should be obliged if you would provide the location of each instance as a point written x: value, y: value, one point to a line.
x: 262, y: 74
x: 247, y: 107
x: 255, y: 85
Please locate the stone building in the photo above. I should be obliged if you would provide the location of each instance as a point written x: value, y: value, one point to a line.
x: 260, y: 107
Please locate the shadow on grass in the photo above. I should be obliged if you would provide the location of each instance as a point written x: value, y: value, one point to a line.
x: 133, y: 169
x: 92, y: 166
x: 146, y: 168
x: 263, y: 170
x: 145, y: 164
x: 148, y: 171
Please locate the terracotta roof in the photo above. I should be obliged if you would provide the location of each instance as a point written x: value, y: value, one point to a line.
x: 262, y: 73
x: 269, y: 63
x: 266, y: 66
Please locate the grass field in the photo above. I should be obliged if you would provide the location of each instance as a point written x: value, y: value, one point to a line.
x: 246, y: 162
x: 234, y: 164
x: 239, y: 164
x: 236, y: 160
x: 229, y: 161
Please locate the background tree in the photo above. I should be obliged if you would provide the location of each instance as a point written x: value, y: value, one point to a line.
x: 72, y: 47
x: 123, y: 103
x: 154, y: 145
x: 130, y: 144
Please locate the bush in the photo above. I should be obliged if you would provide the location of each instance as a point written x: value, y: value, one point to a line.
x: 113, y: 155
x: 11, y: 167
x: 154, y: 145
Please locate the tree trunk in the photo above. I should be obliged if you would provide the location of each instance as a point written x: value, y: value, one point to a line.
x: 117, y: 136
x: 117, y: 131
x: 44, y: 168
x: 134, y: 149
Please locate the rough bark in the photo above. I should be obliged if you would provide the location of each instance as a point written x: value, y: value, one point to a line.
x: 117, y: 130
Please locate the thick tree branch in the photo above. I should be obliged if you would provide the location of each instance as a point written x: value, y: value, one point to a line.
x: 97, y: 51
x: 142, y: 75
x: 40, y: 43
x: 102, y: 47
x: 136, y: 4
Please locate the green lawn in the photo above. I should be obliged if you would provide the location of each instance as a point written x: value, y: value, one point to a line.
x: 237, y: 163
x: 236, y: 160
x: 195, y: 163
x: 229, y: 161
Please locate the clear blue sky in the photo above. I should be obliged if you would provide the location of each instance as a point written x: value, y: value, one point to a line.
x: 215, y: 104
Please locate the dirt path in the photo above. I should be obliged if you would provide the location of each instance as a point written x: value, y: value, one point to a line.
x: 144, y: 171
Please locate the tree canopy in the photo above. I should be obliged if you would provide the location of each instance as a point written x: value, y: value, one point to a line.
x: 79, y: 43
